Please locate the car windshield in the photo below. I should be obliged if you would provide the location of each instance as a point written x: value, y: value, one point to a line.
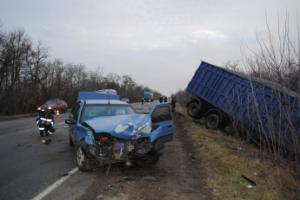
x: 55, y: 102
x: 100, y: 110
x: 52, y: 102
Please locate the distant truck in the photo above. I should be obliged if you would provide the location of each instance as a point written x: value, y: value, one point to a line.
x: 266, y: 109
x: 148, y: 96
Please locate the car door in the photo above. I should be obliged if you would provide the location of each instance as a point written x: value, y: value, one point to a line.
x: 162, y: 123
x: 73, y: 117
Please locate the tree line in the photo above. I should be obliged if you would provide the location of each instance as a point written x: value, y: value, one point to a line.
x: 29, y: 77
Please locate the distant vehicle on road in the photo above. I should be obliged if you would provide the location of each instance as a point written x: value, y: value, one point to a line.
x: 54, y: 105
x: 148, y: 96
x: 106, y: 131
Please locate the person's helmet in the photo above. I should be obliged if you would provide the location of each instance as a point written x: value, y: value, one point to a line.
x: 41, y: 112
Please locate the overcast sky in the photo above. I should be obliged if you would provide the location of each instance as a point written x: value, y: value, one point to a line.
x: 159, y: 43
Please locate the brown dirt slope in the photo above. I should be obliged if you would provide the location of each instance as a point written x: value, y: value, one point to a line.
x: 178, y: 175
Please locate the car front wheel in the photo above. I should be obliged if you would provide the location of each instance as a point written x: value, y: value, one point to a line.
x: 83, y: 162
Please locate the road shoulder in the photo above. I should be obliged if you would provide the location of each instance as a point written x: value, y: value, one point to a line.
x: 236, y: 169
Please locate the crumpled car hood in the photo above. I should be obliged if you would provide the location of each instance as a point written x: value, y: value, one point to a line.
x: 122, y: 126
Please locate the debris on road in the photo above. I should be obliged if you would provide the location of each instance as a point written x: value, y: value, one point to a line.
x: 100, y: 196
x: 46, y: 141
x: 252, y: 183
x: 128, y: 178
x: 237, y: 148
x: 62, y: 175
x: 192, y: 157
x: 137, y: 178
x: 150, y: 178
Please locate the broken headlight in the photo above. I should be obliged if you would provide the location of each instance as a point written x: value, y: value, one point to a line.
x: 121, y: 128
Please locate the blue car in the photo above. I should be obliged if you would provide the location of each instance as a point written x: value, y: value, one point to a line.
x: 107, y: 131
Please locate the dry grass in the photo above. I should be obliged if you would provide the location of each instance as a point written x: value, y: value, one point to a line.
x: 226, y: 159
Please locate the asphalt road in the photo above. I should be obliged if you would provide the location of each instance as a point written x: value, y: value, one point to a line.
x: 27, y: 165
x: 32, y: 170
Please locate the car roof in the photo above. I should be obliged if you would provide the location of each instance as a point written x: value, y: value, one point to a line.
x: 87, y: 95
x: 105, y: 101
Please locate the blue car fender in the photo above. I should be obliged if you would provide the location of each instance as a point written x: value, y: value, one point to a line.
x: 162, y: 131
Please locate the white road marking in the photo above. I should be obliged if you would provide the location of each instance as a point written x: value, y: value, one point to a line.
x: 57, y: 183
x: 60, y: 123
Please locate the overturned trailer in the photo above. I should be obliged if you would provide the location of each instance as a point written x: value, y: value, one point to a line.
x: 268, y: 110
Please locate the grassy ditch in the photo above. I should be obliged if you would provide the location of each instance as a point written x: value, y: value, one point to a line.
x: 237, y: 170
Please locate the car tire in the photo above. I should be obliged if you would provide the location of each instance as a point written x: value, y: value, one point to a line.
x: 82, y: 160
x: 213, y: 121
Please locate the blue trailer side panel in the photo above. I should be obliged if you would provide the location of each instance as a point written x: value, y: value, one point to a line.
x: 256, y: 104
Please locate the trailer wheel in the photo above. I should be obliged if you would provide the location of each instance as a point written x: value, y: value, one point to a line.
x: 213, y: 121
x: 193, y: 109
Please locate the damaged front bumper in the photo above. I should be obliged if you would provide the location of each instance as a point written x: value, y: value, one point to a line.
x: 117, y: 150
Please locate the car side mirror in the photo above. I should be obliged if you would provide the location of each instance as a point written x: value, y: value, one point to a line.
x: 70, y: 121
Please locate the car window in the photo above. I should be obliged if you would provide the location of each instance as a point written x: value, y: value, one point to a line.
x: 161, y: 114
x: 61, y: 101
x: 91, y: 111
x: 51, y: 102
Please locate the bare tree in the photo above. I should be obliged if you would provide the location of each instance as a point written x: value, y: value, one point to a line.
x: 275, y: 64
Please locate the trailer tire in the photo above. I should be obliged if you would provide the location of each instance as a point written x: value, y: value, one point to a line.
x: 193, y: 109
x: 213, y: 121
